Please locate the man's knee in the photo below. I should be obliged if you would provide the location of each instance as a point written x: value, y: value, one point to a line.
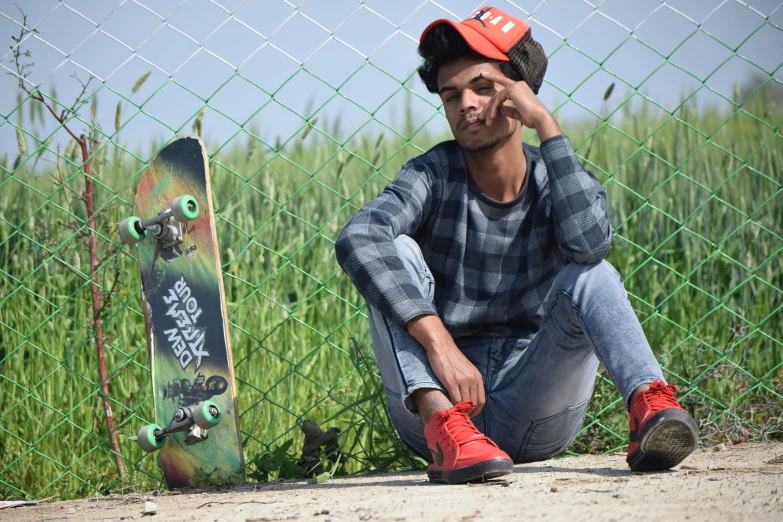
x: 412, y: 259
x: 599, y: 270
x: 576, y: 278
x: 408, y: 250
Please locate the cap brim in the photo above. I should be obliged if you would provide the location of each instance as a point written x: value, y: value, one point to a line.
x: 473, y: 38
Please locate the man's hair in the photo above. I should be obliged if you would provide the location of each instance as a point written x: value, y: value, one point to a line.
x: 443, y: 45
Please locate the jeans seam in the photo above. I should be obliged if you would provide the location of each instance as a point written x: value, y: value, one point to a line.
x: 404, y: 385
x: 490, y: 378
x: 392, y: 393
x: 488, y: 368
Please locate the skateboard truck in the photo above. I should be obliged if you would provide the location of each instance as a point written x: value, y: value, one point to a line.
x: 166, y: 227
x: 196, y: 420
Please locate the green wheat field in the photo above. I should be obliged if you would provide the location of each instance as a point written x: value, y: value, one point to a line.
x: 696, y: 201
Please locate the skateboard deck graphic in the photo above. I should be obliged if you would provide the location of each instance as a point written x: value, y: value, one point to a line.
x: 185, y: 316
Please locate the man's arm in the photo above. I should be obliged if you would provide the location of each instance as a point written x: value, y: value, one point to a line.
x: 582, y: 229
x: 366, y: 252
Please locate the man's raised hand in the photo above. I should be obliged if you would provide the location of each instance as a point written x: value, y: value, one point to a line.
x: 524, y: 106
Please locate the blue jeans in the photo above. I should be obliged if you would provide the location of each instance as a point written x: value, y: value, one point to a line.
x: 537, y: 391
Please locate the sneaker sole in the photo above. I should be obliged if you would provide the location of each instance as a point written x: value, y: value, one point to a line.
x: 667, y: 439
x: 486, y: 470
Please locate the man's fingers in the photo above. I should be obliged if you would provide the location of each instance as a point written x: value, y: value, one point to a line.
x: 497, y: 78
x: 510, y: 112
x: 474, y: 395
x: 467, y: 392
x: 497, y: 101
x: 454, y: 394
x: 496, y: 107
x: 517, y: 92
x: 485, y: 112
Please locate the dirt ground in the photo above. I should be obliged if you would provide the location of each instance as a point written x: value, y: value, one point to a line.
x: 742, y: 483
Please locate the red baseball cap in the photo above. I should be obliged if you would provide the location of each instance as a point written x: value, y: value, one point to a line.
x: 497, y: 35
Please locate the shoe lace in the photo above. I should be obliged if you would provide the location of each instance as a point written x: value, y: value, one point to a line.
x: 459, y: 425
x: 660, y: 396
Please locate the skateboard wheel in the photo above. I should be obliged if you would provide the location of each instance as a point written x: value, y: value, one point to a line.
x: 129, y: 230
x: 206, y: 414
x: 147, y: 439
x: 184, y: 208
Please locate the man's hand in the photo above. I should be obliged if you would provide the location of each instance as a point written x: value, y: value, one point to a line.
x: 524, y: 106
x: 462, y: 380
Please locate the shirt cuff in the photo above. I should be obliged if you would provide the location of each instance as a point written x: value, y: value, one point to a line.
x: 404, y: 312
x: 555, y: 147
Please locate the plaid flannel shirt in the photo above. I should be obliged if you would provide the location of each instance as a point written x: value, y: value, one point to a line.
x: 494, y: 263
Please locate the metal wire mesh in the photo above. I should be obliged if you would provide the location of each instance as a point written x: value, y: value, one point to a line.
x: 693, y: 186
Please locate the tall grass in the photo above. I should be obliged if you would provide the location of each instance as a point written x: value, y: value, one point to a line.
x: 697, y: 236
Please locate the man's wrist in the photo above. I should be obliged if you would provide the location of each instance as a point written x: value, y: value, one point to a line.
x: 547, y: 127
x: 430, y: 331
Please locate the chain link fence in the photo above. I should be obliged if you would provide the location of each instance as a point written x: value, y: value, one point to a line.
x: 308, y: 112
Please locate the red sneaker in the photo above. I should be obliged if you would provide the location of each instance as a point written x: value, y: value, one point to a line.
x: 662, y: 433
x: 460, y: 452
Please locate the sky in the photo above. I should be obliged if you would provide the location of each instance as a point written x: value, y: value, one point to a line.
x: 266, y: 65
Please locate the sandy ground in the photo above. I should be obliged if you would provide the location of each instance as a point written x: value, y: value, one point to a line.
x: 741, y: 483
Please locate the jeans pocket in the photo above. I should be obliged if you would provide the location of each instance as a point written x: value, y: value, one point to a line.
x: 551, y: 435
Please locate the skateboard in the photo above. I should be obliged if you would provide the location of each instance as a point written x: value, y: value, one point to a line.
x: 197, y: 432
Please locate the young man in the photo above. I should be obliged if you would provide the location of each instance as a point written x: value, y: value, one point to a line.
x: 482, y: 267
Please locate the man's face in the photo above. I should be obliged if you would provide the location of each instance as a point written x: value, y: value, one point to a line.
x: 464, y: 94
